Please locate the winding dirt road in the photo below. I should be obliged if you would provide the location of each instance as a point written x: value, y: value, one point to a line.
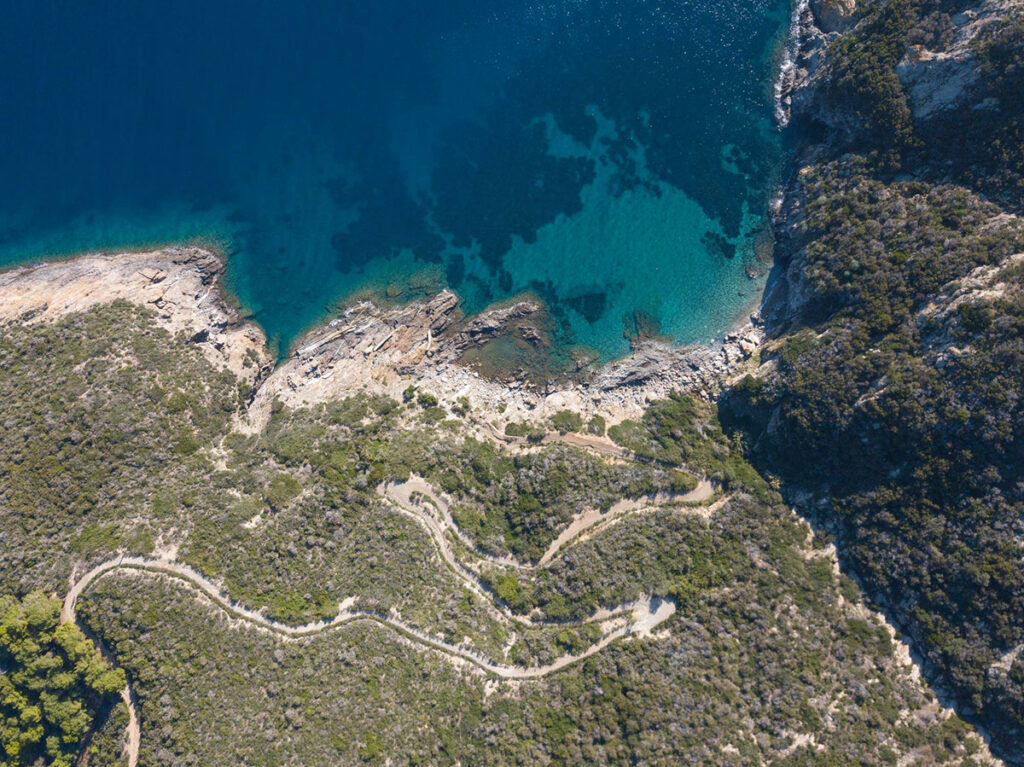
x: 134, y: 731
x: 645, y: 613
x: 588, y: 521
x: 401, y: 493
x: 602, y: 445
x: 67, y: 613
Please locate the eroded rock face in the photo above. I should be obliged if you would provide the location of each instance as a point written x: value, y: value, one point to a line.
x: 833, y: 15
x: 935, y: 82
x: 493, y: 323
x: 942, y: 80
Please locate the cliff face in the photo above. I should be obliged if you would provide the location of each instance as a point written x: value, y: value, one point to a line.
x: 888, y: 399
x: 890, y: 71
x: 947, y: 77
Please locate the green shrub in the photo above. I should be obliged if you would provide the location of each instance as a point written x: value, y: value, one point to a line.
x: 532, y: 432
x: 281, y: 490
x: 567, y: 421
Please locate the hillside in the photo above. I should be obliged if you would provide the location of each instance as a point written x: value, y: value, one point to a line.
x: 888, y: 399
x: 802, y: 545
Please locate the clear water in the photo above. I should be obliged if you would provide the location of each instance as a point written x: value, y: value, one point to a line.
x: 615, y: 158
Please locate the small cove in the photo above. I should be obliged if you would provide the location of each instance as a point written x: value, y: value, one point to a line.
x: 614, y: 159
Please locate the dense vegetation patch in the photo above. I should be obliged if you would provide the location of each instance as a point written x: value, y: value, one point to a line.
x: 54, y: 684
x: 103, y: 414
x: 980, y: 144
x: 862, y: 82
x: 684, y: 431
x: 984, y: 145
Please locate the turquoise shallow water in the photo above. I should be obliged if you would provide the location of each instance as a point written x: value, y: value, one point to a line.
x: 614, y: 158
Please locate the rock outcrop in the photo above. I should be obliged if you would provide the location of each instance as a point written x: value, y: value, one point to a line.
x: 367, y: 348
x: 371, y: 349
x: 181, y: 284
x: 936, y: 81
x: 834, y: 15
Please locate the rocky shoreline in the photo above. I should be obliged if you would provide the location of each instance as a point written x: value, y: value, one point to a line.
x: 814, y: 24
x: 369, y: 348
x: 424, y: 344
x: 181, y: 284
x: 374, y: 349
x: 384, y: 350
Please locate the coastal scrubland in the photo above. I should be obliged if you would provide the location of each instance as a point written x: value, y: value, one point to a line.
x: 122, y: 439
x: 885, y: 407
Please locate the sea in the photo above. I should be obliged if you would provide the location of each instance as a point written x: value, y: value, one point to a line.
x: 615, y: 159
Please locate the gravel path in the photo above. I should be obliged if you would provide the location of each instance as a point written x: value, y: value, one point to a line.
x: 67, y: 613
x: 586, y: 521
x: 401, y: 494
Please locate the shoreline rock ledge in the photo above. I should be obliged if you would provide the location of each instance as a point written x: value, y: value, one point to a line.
x: 834, y: 15
x: 379, y: 350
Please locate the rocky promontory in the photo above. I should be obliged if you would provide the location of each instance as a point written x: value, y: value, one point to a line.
x: 182, y: 285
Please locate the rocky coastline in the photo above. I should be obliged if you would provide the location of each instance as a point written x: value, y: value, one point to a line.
x: 813, y: 25
x: 378, y: 349
x: 181, y: 284
x: 369, y: 348
x: 383, y: 350
x: 425, y: 344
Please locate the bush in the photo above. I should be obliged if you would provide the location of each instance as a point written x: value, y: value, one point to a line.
x: 281, y: 490
x: 565, y: 421
x: 532, y: 432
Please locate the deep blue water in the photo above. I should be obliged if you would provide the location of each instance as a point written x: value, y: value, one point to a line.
x: 614, y: 157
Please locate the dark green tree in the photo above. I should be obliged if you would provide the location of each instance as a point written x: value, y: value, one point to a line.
x: 53, y: 681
